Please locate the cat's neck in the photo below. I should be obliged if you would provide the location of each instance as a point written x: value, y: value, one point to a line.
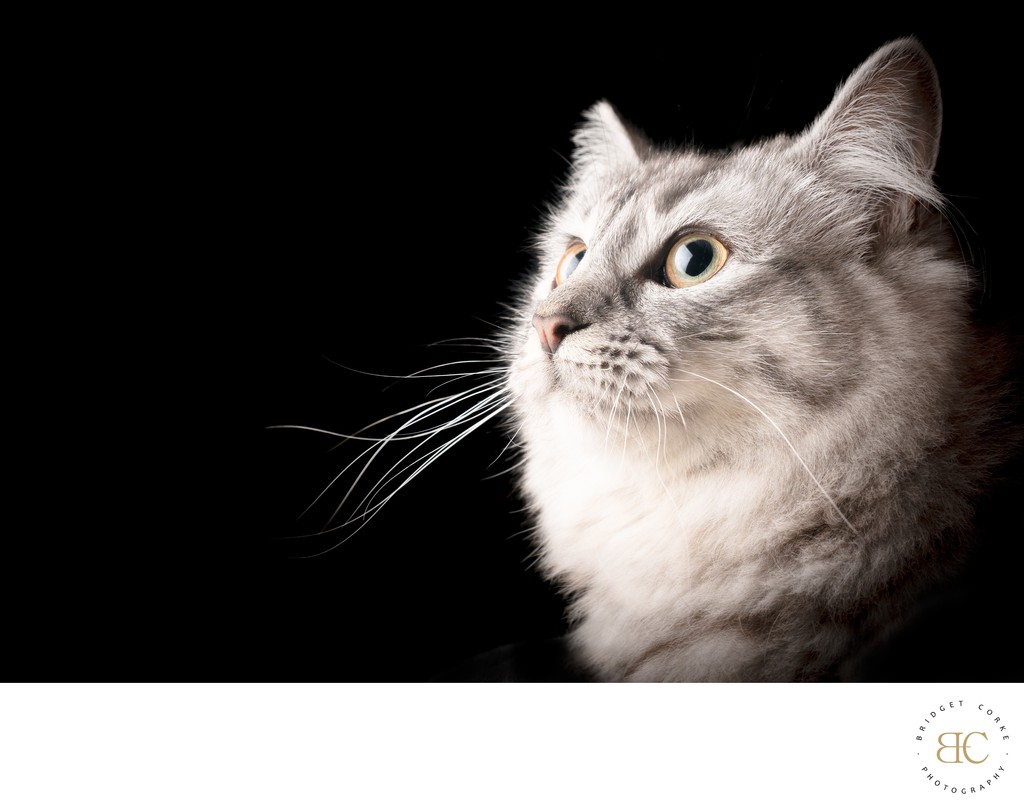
x: 642, y: 499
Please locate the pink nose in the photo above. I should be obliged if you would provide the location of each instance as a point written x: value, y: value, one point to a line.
x: 553, y: 329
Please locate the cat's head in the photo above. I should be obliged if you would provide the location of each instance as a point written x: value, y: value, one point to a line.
x: 680, y: 287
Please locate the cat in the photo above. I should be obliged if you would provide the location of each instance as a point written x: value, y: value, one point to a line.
x: 753, y: 412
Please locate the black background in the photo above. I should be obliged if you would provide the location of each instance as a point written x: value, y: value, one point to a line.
x: 358, y: 194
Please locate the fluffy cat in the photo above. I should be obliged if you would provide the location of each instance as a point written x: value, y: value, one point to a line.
x: 753, y: 412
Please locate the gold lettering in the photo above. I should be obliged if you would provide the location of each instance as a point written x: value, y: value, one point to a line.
x: 938, y: 753
x: 966, y: 745
x: 959, y: 747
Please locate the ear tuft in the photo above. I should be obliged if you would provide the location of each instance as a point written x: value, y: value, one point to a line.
x: 881, y: 131
x: 604, y: 142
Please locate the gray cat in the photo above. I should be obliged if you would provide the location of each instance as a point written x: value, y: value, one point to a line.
x: 753, y: 411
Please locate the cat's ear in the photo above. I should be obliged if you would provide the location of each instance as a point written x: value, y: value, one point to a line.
x: 604, y: 142
x: 881, y: 131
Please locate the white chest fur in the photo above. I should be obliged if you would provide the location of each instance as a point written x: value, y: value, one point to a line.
x: 636, y: 515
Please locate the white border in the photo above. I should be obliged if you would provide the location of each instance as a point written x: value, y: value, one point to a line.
x: 477, y: 745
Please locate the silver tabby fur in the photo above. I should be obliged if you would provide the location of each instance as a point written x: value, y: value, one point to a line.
x: 751, y: 478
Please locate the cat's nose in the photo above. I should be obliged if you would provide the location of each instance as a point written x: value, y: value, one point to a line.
x: 553, y: 329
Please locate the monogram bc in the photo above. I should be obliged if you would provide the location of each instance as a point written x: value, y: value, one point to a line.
x: 961, y: 748
x: 981, y: 738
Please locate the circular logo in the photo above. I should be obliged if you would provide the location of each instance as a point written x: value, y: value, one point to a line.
x: 962, y: 747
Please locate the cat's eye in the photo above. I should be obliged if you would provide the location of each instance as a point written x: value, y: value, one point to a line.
x: 569, y: 262
x: 694, y: 259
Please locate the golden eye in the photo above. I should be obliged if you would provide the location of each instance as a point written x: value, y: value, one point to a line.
x: 569, y: 262
x: 694, y: 259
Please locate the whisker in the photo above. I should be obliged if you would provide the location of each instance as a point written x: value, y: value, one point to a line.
x: 460, y: 419
x: 437, y: 387
x: 425, y: 372
x: 625, y: 430
x: 784, y: 438
x: 511, y: 443
x: 613, y: 411
x: 452, y: 399
x: 367, y: 508
x: 679, y: 410
x: 471, y: 342
x: 378, y: 444
x: 521, y: 462
x: 657, y: 421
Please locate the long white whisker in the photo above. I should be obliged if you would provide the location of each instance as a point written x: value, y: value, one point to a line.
x: 421, y: 374
x: 468, y: 415
x: 394, y: 436
x: 369, y: 509
x: 427, y: 409
x: 378, y: 444
x: 661, y: 438
x: 613, y: 411
x: 511, y: 442
x: 460, y: 419
x: 460, y: 377
x: 521, y: 462
x: 472, y: 342
x: 625, y: 430
x: 679, y: 410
